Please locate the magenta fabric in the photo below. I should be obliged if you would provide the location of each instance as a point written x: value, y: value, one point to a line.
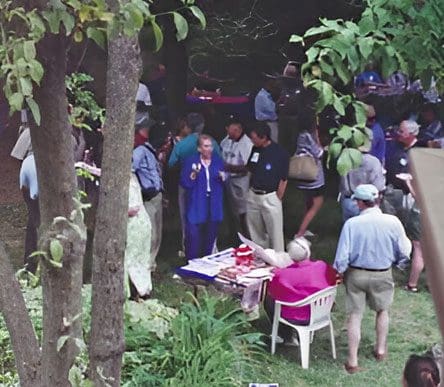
x: 298, y: 281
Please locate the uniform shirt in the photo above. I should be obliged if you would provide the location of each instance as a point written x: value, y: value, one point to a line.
x: 372, y: 240
x: 236, y: 152
x: 298, y: 281
x: 370, y: 172
x: 147, y: 167
x: 268, y: 166
x: 397, y: 161
x: 186, y: 148
x: 143, y: 94
x: 265, y: 107
x: 28, y: 176
x: 378, y: 142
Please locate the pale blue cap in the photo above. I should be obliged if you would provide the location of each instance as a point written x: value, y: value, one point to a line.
x: 366, y: 192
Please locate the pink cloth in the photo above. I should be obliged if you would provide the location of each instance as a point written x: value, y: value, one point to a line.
x: 298, y: 281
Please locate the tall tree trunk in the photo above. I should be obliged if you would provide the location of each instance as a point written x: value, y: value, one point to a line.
x: 53, y: 148
x: 23, y: 338
x: 107, y: 335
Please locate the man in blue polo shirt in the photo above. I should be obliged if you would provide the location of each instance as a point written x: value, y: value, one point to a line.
x: 268, y: 164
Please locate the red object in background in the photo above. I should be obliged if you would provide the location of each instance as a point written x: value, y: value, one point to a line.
x: 243, y: 255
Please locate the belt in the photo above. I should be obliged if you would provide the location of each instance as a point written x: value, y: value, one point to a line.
x: 260, y: 191
x: 361, y: 268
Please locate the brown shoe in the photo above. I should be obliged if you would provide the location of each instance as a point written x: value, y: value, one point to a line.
x: 352, y: 369
x: 379, y: 356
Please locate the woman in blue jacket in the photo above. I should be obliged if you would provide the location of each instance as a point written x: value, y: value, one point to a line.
x: 202, y: 176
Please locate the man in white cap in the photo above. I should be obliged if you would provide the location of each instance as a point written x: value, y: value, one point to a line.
x: 296, y: 282
x: 369, y: 245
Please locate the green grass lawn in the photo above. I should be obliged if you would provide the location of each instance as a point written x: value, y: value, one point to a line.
x: 413, y: 325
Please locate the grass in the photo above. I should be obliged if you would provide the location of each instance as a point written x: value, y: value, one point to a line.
x: 413, y: 325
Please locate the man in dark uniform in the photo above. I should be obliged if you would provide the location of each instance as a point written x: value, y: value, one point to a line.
x: 268, y: 164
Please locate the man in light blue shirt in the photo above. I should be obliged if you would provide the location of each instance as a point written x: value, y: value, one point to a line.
x: 265, y: 107
x: 369, y: 245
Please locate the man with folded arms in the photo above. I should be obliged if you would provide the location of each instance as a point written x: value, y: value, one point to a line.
x: 369, y: 245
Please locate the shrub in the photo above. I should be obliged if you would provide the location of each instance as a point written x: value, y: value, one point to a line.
x: 206, y: 346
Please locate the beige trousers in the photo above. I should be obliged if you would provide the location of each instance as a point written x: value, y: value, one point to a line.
x: 155, y: 212
x: 265, y: 220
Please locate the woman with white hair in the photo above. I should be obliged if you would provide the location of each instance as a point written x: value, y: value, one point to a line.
x: 296, y: 282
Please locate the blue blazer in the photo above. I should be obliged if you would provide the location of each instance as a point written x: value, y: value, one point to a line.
x: 197, y: 211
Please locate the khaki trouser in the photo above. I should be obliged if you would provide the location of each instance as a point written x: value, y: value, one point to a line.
x: 265, y: 220
x: 274, y: 130
x: 154, y: 209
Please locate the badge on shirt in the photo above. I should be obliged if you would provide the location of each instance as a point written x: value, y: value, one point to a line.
x: 268, y: 166
x: 403, y: 162
x: 254, y: 157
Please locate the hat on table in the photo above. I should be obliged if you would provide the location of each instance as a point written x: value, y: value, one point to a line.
x: 365, y: 192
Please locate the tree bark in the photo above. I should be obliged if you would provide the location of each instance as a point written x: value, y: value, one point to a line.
x: 53, y: 149
x: 23, y: 338
x: 107, y: 334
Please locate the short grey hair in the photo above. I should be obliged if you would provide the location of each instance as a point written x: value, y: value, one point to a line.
x: 412, y: 126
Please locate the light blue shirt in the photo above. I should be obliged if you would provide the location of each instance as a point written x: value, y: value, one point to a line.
x: 265, y: 107
x: 28, y: 176
x: 186, y: 148
x: 372, y: 240
x: 147, y: 167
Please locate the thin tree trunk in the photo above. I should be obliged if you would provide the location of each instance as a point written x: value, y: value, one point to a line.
x: 53, y: 149
x: 21, y: 331
x: 107, y: 335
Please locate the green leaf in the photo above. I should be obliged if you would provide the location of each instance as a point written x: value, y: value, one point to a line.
x: 334, y: 149
x: 365, y: 47
x: 55, y: 264
x: 326, y: 68
x: 338, y: 105
x: 353, y: 59
x: 36, y: 70
x: 344, y: 164
x: 360, y: 114
x: 158, y: 35
x: 22, y: 67
x: 136, y: 18
x: 56, y: 250
x: 181, y: 26
x: 200, y: 16
x: 16, y: 101
x: 345, y: 133
x: 366, y: 24
x: 35, y: 110
x: 26, y: 86
x: 98, y: 36
x: 358, y: 138
x: 53, y: 21
x: 312, y: 53
x: 29, y: 50
x: 316, y: 31
x: 296, y: 39
x: 78, y: 36
x: 61, y: 342
x: 68, y: 21
x: 355, y: 157
x: 340, y: 68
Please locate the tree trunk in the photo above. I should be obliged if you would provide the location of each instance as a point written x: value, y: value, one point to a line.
x: 107, y: 334
x: 53, y: 149
x: 23, y: 338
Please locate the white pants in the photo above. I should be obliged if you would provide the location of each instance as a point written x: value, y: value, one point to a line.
x: 265, y: 220
x: 274, y: 130
x: 155, y: 212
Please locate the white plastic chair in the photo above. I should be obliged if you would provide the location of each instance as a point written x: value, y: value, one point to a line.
x: 320, y: 308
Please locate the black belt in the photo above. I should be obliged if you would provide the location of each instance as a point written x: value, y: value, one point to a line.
x: 361, y: 268
x: 260, y: 191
